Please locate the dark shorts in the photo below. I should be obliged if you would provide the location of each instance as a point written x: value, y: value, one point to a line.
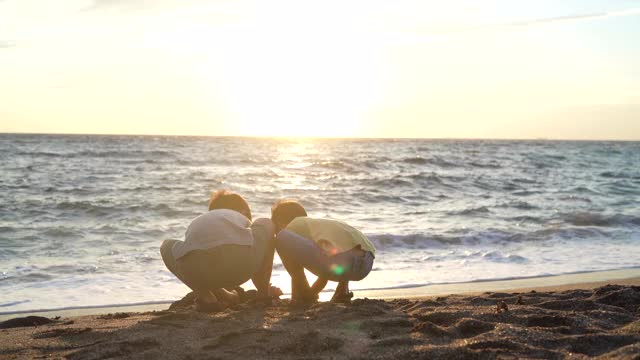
x: 221, y: 267
x: 352, y: 265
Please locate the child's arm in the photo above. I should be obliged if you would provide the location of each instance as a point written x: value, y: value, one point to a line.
x: 318, y: 285
x: 327, y: 247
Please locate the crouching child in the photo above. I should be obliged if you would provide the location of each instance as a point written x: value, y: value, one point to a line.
x: 330, y: 249
x: 222, y: 250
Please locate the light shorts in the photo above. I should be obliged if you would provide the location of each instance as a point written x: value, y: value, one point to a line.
x: 351, y: 265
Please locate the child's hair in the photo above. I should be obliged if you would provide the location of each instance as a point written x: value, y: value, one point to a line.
x: 283, y: 211
x: 224, y: 199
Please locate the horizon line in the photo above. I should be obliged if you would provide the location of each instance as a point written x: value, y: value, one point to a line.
x: 284, y: 137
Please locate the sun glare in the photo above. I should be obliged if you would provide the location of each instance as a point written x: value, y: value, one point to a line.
x: 275, y: 76
x: 299, y: 90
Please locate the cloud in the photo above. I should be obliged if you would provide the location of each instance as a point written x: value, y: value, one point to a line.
x: 579, y: 17
x: 115, y: 3
x: 110, y: 5
x: 447, y: 30
x: 500, y: 26
x: 4, y: 44
x: 128, y: 5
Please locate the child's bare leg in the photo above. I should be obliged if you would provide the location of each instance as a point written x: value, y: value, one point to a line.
x: 342, y: 294
x: 290, y: 251
x: 262, y: 276
x: 300, y: 288
x: 342, y: 288
x: 318, y: 285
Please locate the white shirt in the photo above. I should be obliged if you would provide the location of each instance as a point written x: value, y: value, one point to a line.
x: 215, y: 228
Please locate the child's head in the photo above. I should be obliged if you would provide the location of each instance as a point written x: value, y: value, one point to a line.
x: 224, y: 199
x: 283, y: 211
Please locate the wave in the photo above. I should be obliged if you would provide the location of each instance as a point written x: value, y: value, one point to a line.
x: 526, y: 192
x: 387, y: 241
x: 509, y: 186
x: 6, y: 229
x: 63, y: 232
x: 423, y: 179
x: 431, y: 177
x: 621, y: 187
x: 123, y: 210
x: 350, y: 165
x: 425, y: 240
x: 85, y: 206
x: 14, y: 303
x: 439, y: 162
x: 71, y: 269
x: 526, y: 219
x: 554, y: 233
x: 554, y: 157
x: 146, y: 188
x: 415, y: 160
x: 497, y: 256
x: 583, y: 190
x: 487, y: 237
x: 481, y: 210
x: 573, y: 198
x: 394, y: 182
x: 522, y: 205
x: 44, y: 154
x: 71, y: 190
x: 543, y: 165
x: 30, y: 277
x: 487, y: 165
x: 618, y: 175
x: 601, y: 220
x: 525, y: 181
x: 126, y: 154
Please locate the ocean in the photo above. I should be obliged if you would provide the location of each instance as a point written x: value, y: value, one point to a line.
x: 82, y: 216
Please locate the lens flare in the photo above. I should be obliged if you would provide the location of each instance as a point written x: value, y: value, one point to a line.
x: 337, y: 269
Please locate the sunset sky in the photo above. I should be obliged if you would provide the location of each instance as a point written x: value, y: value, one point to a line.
x: 458, y: 69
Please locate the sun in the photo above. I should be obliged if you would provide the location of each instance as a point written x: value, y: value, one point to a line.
x: 268, y: 73
x: 284, y: 79
x: 304, y: 90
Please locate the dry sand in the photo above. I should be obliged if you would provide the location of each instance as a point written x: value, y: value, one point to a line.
x: 579, y: 321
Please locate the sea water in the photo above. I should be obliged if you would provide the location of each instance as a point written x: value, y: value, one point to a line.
x: 82, y: 217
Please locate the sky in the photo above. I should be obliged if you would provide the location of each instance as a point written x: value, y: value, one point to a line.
x: 404, y: 68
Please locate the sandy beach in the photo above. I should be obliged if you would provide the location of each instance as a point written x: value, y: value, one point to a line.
x: 585, y: 320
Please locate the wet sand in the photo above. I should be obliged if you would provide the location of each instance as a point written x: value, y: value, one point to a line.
x: 599, y: 319
x: 582, y: 280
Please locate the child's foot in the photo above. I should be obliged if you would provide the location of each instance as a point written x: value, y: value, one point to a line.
x: 275, y: 292
x: 301, y: 293
x: 305, y: 298
x: 262, y: 298
x: 209, y: 307
x: 342, y: 298
x: 227, y: 298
